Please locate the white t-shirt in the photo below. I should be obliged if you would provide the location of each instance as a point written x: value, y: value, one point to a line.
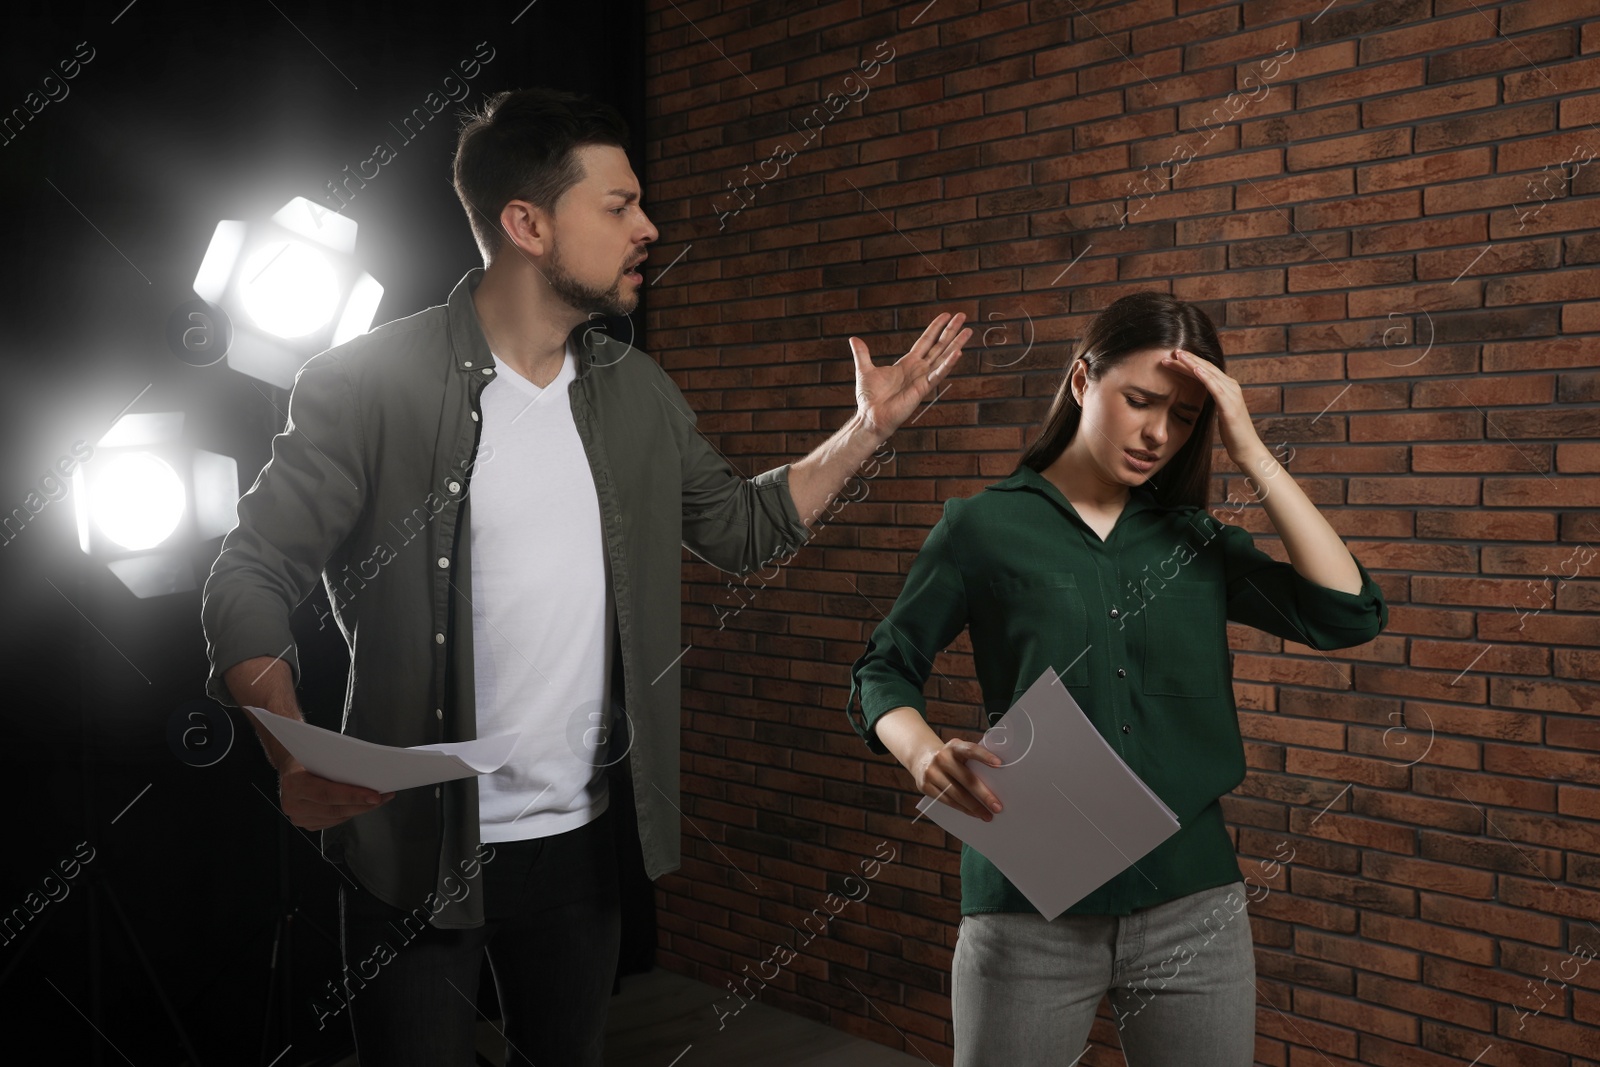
x: 542, y: 610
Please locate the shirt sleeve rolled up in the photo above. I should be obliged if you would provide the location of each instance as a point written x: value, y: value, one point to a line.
x: 1272, y: 596
x: 929, y: 613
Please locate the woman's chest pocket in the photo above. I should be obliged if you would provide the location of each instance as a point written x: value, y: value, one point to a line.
x: 1044, y: 623
x: 1185, y: 640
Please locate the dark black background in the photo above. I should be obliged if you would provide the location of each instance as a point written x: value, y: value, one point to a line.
x: 189, y: 114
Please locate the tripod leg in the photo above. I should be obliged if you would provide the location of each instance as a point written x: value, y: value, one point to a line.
x: 319, y: 931
x: 28, y: 939
x: 144, y: 961
x: 272, y: 989
x: 288, y: 975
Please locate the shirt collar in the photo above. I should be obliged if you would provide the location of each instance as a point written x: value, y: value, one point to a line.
x: 1140, y: 497
x: 470, y: 350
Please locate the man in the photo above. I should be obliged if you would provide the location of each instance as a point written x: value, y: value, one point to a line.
x: 538, y: 606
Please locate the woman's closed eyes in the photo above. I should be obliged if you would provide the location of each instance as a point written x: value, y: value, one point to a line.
x: 1144, y: 404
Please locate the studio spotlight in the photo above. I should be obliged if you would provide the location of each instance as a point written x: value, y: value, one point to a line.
x: 145, y: 501
x: 291, y: 287
x: 138, y: 502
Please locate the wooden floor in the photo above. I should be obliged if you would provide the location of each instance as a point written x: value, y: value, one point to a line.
x: 665, y: 1020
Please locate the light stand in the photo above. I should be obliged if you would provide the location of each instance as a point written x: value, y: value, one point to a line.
x: 98, y: 887
x: 280, y: 974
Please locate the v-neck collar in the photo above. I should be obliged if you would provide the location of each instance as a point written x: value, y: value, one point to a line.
x: 1140, y: 498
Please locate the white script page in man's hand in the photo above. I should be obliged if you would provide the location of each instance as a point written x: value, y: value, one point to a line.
x: 338, y: 758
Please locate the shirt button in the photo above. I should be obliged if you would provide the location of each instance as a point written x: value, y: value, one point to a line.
x: 444, y: 561
x: 1126, y: 728
x: 488, y: 370
x: 438, y: 713
x: 455, y: 487
x: 1121, y: 673
x: 1115, y: 613
x: 438, y: 639
x: 466, y: 363
x: 474, y: 416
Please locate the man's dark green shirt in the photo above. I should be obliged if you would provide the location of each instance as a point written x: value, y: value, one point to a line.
x: 1136, y: 627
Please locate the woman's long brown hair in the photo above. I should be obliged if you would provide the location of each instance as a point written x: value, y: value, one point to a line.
x: 1134, y: 322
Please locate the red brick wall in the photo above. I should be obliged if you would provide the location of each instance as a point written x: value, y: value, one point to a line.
x: 1391, y: 221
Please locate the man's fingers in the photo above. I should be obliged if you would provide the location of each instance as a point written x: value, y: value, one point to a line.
x: 947, y: 345
x: 926, y: 339
x: 315, y: 803
x: 342, y: 808
x: 950, y: 359
x: 944, y: 341
x: 314, y: 816
x: 327, y: 791
x: 930, y: 344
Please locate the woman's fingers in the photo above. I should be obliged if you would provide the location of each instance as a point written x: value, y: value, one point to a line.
x: 956, y: 784
x: 956, y: 795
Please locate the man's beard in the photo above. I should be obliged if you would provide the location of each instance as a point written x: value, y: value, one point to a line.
x: 584, y: 298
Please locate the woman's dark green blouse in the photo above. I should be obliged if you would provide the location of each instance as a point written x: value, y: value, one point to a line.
x: 1135, y: 625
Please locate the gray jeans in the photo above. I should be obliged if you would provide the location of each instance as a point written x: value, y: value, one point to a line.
x: 1181, y: 976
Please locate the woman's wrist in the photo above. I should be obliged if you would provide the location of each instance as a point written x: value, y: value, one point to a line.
x: 909, y: 738
x: 1257, y: 461
x: 921, y: 757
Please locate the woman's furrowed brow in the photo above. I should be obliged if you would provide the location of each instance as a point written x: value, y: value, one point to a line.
x: 1156, y: 394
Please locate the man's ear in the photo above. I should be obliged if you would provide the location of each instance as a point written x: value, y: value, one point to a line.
x: 526, y: 226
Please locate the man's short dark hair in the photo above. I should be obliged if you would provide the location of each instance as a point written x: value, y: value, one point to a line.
x: 518, y: 145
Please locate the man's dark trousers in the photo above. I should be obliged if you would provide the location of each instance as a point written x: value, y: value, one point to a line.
x: 551, y: 933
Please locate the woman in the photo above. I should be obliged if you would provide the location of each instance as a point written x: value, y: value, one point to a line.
x: 1097, y: 558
